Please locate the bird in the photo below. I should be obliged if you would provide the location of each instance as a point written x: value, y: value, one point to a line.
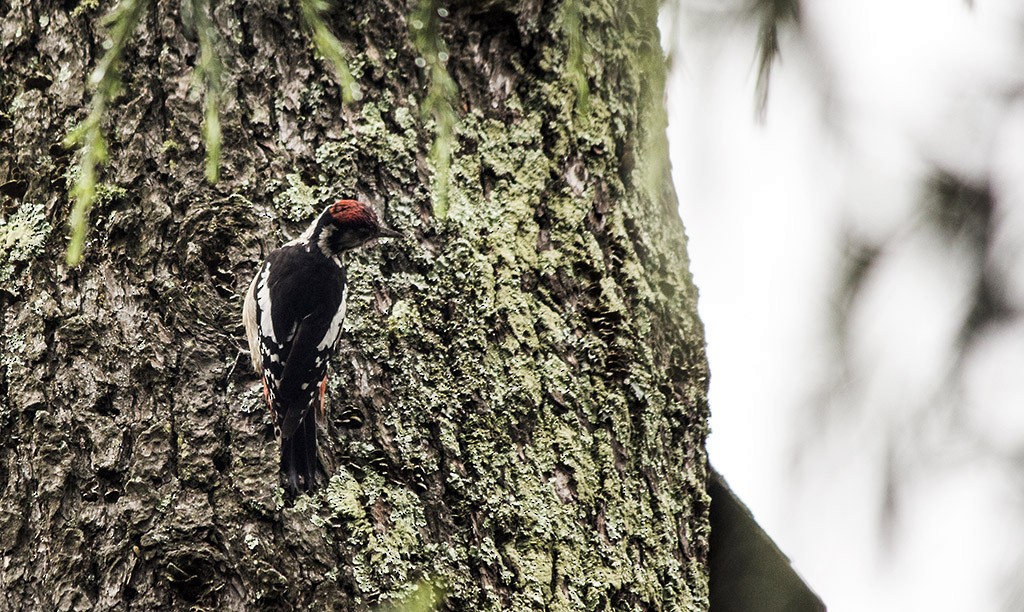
x: 293, y: 312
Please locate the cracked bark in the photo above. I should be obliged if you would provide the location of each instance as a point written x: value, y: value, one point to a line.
x: 519, y: 410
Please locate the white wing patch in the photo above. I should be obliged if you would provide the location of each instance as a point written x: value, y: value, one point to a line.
x: 335, y: 329
x: 263, y: 297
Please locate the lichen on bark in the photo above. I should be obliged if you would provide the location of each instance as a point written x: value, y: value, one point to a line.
x: 518, y: 411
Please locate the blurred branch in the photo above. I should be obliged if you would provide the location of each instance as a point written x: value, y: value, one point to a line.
x: 773, y: 15
x: 962, y: 211
x: 859, y: 258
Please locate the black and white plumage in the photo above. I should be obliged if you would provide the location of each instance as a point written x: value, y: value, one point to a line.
x: 293, y: 312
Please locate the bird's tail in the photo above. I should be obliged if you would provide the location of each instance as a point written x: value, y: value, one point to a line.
x: 299, y: 460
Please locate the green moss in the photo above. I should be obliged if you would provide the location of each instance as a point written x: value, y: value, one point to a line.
x: 423, y: 597
x: 22, y: 237
x: 298, y: 202
x: 108, y: 193
x: 84, y: 6
x: 14, y: 348
x: 342, y: 161
x: 251, y: 541
x: 335, y: 161
x: 385, y: 523
x: 343, y: 496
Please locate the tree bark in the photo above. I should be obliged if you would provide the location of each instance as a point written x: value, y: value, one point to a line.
x: 518, y: 412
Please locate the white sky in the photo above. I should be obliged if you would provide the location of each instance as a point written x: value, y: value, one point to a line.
x: 876, y: 91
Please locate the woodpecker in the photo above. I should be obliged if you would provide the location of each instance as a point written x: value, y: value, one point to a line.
x: 293, y: 312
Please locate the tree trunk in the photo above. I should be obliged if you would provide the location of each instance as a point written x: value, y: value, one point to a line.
x: 518, y: 410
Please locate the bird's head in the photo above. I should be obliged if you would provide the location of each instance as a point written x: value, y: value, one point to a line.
x: 348, y: 224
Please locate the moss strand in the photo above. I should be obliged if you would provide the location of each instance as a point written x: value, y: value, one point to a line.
x: 439, y: 103
x: 106, y: 78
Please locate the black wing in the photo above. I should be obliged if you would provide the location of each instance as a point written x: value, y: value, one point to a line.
x: 299, y: 308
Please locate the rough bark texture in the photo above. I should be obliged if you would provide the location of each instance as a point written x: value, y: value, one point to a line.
x: 519, y: 409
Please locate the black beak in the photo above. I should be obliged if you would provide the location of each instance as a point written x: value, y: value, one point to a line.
x: 387, y: 232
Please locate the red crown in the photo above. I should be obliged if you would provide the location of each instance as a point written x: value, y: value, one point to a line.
x: 351, y: 212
